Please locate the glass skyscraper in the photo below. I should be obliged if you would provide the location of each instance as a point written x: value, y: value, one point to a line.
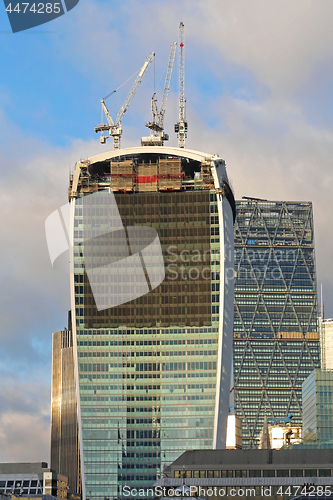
x: 153, y: 373
x: 64, y: 423
x: 276, y: 341
x: 317, y: 409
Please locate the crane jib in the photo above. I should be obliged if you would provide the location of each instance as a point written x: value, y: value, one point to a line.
x: 143, y: 68
x: 115, y: 128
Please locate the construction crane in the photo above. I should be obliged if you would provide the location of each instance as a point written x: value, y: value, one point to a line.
x: 114, y: 127
x: 181, y: 126
x: 284, y: 420
x: 157, y: 136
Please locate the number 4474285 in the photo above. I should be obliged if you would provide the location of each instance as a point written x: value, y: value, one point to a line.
x: 39, y: 8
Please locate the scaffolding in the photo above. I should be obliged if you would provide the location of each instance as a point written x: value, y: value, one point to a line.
x: 128, y: 176
x: 170, y: 174
x: 206, y: 176
x: 166, y: 175
x: 122, y: 175
x: 85, y: 183
x: 147, y: 178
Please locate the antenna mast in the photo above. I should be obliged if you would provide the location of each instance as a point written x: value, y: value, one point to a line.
x: 181, y: 126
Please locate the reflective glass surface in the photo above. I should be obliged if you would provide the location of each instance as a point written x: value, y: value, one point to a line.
x: 148, y: 368
x: 276, y: 341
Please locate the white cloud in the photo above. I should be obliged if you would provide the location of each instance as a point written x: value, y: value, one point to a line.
x: 24, y: 421
x: 279, y: 42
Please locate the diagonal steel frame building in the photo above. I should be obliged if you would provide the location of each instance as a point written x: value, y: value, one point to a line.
x: 276, y: 340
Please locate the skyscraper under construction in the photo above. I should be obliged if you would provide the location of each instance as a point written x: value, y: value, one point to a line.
x: 151, y: 352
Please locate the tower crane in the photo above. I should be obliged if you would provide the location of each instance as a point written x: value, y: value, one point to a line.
x: 181, y: 126
x: 114, y: 127
x: 157, y: 136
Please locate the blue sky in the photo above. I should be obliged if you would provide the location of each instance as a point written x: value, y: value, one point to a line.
x: 259, y: 93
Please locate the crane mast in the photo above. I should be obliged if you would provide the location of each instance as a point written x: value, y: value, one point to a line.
x: 167, y: 83
x: 114, y: 128
x: 181, y: 126
x: 157, y: 136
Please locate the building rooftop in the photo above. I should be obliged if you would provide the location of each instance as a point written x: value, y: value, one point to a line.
x: 23, y: 467
x: 235, y: 458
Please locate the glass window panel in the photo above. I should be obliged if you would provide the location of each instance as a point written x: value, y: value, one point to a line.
x: 296, y: 472
x: 282, y: 473
x: 310, y: 472
x: 324, y: 472
x: 240, y: 473
x: 254, y: 473
x: 268, y: 473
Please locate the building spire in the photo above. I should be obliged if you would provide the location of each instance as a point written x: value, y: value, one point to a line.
x: 265, y: 441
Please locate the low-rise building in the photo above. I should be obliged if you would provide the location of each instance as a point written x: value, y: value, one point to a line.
x: 256, y: 473
x: 31, y: 479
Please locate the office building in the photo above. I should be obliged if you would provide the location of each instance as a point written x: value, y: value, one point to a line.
x: 317, y: 396
x: 152, y: 363
x: 31, y: 479
x: 64, y: 421
x: 234, y: 433
x: 326, y: 332
x: 276, y: 341
x: 249, y: 473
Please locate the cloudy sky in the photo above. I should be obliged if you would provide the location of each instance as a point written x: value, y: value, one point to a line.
x: 259, y: 80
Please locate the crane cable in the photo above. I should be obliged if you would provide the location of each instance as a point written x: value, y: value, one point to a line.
x: 113, y: 91
x: 161, y: 77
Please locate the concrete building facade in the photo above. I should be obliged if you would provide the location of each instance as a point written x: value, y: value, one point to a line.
x: 326, y: 344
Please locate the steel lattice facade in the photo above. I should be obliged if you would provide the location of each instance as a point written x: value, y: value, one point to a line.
x: 276, y: 340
